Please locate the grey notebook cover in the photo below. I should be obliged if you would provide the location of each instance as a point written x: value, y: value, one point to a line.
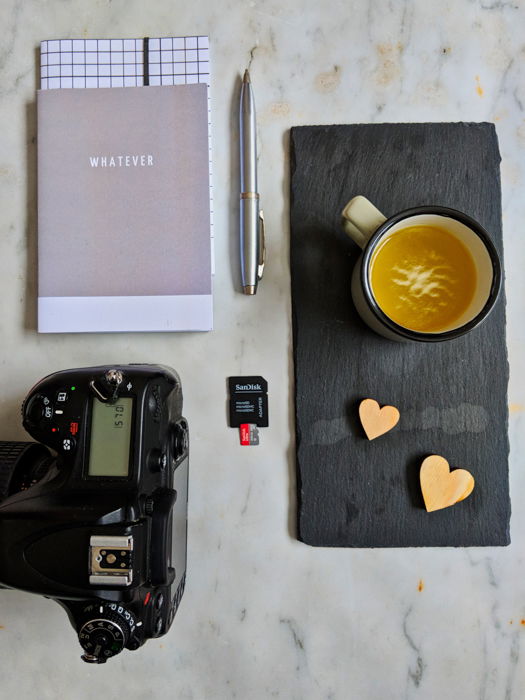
x: 124, y: 209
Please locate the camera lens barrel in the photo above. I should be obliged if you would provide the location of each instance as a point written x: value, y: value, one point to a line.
x: 19, y: 462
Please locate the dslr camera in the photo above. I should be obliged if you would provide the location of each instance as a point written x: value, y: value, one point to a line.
x: 94, y: 514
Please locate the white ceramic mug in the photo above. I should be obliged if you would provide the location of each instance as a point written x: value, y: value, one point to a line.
x: 368, y: 227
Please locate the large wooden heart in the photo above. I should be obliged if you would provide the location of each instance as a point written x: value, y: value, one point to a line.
x: 377, y: 421
x: 441, y: 487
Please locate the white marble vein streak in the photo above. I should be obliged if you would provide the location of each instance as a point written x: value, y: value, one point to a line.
x: 263, y: 615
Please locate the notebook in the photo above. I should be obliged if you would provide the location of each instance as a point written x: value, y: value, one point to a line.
x: 124, y: 178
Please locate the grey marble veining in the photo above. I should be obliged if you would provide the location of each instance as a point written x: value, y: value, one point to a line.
x: 263, y: 615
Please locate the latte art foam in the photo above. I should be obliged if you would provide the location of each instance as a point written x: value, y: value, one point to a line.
x: 423, y: 278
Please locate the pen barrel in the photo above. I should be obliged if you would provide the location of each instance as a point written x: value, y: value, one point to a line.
x: 249, y: 221
x: 248, y: 140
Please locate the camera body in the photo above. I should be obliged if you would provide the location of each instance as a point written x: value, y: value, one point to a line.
x: 100, y: 524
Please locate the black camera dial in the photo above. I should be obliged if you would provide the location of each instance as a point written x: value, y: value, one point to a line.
x: 106, y: 632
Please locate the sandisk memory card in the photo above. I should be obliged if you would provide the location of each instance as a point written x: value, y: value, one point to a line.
x: 248, y: 401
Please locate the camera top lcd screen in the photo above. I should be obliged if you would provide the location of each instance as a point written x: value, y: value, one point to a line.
x: 110, y: 438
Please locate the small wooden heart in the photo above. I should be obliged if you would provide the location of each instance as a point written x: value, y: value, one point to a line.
x: 441, y: 487
x: 377, y: 421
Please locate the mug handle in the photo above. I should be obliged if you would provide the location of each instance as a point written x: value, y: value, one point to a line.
x: 361, y: 219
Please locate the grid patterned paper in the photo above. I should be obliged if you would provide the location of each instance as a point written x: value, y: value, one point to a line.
x: 99, y: 63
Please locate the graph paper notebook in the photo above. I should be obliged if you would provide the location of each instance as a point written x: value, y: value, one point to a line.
x: 124, y: 187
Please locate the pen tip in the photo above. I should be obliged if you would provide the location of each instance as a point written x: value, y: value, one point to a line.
x: 246, y: 78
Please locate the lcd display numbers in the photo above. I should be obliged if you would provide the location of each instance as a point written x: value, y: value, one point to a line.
x: 109, y: 445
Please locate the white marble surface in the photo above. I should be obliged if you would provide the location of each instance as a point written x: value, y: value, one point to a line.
x: 264, y: 615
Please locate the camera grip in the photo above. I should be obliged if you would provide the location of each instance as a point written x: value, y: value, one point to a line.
x: 160, y: 505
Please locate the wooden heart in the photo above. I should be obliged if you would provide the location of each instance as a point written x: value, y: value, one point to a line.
x: 441, y: 487
x: 377, y: 421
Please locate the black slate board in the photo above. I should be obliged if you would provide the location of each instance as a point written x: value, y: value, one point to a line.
x: 452, y: 396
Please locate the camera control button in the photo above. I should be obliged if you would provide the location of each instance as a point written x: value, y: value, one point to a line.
x: 157, y: 460
x: 62, y: 396
x: 179, y: 439
x: 68, y: 444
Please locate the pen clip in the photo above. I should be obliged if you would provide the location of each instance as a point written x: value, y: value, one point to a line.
x: 262, y: 247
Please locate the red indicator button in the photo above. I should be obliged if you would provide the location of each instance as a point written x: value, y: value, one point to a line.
x: 73, y: 428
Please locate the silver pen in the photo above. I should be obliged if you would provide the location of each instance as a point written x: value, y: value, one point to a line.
x: 252, y: 248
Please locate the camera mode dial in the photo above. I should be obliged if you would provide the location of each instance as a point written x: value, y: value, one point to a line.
x: 106, y: 633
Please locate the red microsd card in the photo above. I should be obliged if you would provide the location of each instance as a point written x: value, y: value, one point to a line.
x: 249, y: 434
